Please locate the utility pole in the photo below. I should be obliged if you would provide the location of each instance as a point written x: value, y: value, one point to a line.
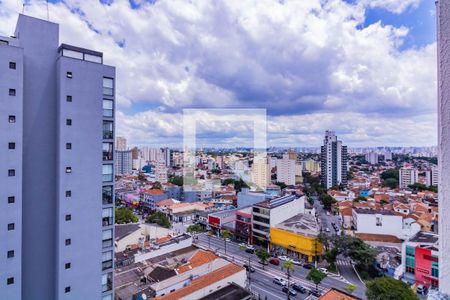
x: 248, y: 274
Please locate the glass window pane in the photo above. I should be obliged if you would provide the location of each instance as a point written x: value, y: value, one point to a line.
x: 93, y: 58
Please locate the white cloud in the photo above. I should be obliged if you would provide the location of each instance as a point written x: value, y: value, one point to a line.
x: 301, y: 60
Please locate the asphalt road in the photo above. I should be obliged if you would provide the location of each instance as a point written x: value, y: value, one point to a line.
x: 261, y: 280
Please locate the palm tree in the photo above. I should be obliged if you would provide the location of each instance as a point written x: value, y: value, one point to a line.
x: 288, y: 265
x: 226, y: 235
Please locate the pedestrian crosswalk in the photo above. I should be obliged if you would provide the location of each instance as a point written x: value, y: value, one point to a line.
x: 343, y: 262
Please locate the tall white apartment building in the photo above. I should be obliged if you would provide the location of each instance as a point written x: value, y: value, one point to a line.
x: 286, y: 170
x: 432, y: 176
x: 260, y: 173
x: 56, y: 197
x: 407, y: 176
x: 121, y: 143
x: 124, y: 162
x: 333, y: 163
x: 372, y: 158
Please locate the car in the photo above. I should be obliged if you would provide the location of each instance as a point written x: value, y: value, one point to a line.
x: 328, y: 213
x: 308, y: 266
x: 244, y: 245
x: 227, y: 240
x: 279, y: 281
x: 421, y: 289
x: 327, y: 229
x: 274, y: 261
x: 282, y: 257
x: 291, y: 291
x: 299, y: 288
x: 250, y: 247
x: 251, y: 269
x: 296, y: 262
x: 323, y: 270
x: 251, y: 251
x: 315, y: 293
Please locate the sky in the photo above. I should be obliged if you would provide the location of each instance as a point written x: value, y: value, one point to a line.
x: 363, y: 68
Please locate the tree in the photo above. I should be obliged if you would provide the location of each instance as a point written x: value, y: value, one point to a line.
x: 177, y: 180
x: 360, y: 198
x: 327, y: 201
x: 157, y: 186
x: 390, y: 183
x: 124, y: 215
x: 391, y: 173
x: 324, y: 240
x: 388, y: 288
x: 263, y: 255
x: 316, y: 276
x: 351, y: 288
x: 194, y: 228
x: 331, y: 255
x: 226, y: 235
x: 282, y: 185
x: 159, y: 218
x: 288, y: 265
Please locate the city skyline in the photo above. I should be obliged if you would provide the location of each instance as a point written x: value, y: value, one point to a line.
x: 370, y: 77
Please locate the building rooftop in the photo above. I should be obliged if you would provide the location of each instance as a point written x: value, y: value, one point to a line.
x: 230, y: 292
x: 122, y: 230
x: 425, y: 237
x: 374, y: 212
x: 276, y: 201
x: 302, y: 224
x: 333, y: 294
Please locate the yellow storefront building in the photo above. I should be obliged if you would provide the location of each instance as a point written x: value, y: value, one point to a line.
x: 297, y: 238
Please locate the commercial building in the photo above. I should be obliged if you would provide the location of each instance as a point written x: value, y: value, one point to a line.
x: 333, y: 162
x: 286, y: 169
x: 54, y: 99
x: 123, y: 163
x: 297, y: 236
x: 269, y: 213
x: 408, y: 176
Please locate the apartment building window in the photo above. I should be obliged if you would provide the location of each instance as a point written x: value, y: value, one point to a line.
x: 108, y: 130
x: 68, y: 169
x: 11, y: 172
x: 69, y: 75
x: 12, y: 92
x: 108, y: 108
x: 67, y: 289
x: 107, y: 216
x: 107, y: 260
x: 68, y: 146
x: 11, y: 199
x: 108, y: 86
x: 12, y: 65
x: 10, y: 281
x: 68, y: 242
x: 107, y: 238
x: 68, y: 217
x: 108, y: 151
x: 10, y: 254
x: 107, y: 172
x: 107, y: 194
x: 378, y: 221
x: 11, y: 226
x: 12, y: 119
x: 11, y: 146
x: 106, y: 282
x: 68, y: 194
x: 68, y: 98
x: 67, y: 266
x: 69, y: 122
x: 107, y: 297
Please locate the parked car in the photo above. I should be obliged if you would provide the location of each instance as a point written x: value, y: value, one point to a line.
x: 243, y: 245
x: 327, y: 229
x: 299, y: 288
x: 315, y: 293
x: 279, y: 281
x: 250, y: 247
x: 227, y: 240
x: 421, y: 289
x: 282, y: 257
x: 323, y: 270
x: 308, y: 266
x: 290, y: 291
x: 251, y: 268
x: 251, y: 251
x: 274, y: 261
x: 296, y: 262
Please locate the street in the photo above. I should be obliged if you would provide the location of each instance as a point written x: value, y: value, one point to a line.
x: 262, y: 280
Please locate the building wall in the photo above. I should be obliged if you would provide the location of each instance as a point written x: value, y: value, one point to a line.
x: 367, y: 223
x: 443, y: 38
x: 11, y: 159
x: 295, y: 242
x: 286, y: 211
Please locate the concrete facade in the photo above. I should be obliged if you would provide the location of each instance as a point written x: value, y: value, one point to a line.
x: 443, y: 38
x: 60, y: 222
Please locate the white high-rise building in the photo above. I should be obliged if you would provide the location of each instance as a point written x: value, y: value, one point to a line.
x: 372, y: 158
x: 286, y: 169
x: 333, y: 163
x: 121, y: 143
x: 432, y: 176
x: 57, y: 202
x: 124, y: 162
x: 260, y: 174
x: 408, y: 176
x: 443, y: 41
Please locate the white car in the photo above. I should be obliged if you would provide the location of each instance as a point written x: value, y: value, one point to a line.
x: 282, y: 257
x: 323, y: 270
x: 243, y: 245
x: 227, y: 240
x: 279, y: 281
x: 296, y: 262
x: 327, y: 229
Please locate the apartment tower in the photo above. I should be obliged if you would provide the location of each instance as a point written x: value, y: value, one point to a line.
x: 56, y: 197
x: 333, y: 162
x: 443, y: 40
